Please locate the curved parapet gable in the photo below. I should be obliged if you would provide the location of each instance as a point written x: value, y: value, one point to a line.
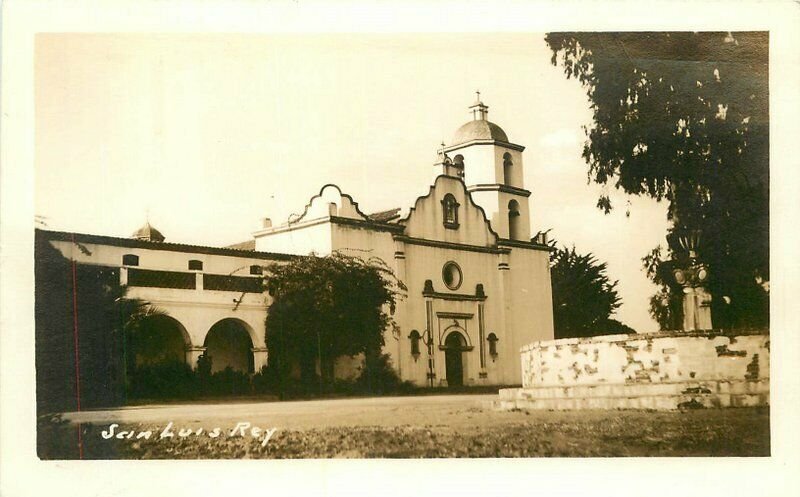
x: 427, y: 218
x: 330, y: 201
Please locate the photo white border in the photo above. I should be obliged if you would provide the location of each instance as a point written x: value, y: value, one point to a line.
x: 21, y: 473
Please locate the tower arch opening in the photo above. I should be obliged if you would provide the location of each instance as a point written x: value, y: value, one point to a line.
x: 458, y: 165
x: 508, y: 169
x: 513, y: 220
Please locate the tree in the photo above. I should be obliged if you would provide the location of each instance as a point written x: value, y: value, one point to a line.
x: 583, y: 297
x: 85, y: 306
x: 683, y: 117
x: 327, y: 307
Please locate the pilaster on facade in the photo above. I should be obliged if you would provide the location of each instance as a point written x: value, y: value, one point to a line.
x: 400, y: 312
x: 260, y: 357
x: 193, y: 353
x: 504, y: 288
x: 482, y: 374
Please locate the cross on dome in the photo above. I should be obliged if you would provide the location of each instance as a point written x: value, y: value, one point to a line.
x: 479, y: 110
x: 479, y: 128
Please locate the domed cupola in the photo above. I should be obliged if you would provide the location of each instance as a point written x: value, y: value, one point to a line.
x: 491, y: 168
x: 479, y: 128
x: 148, y: 233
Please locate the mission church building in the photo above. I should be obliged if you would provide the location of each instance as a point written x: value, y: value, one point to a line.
x: 478, y: 285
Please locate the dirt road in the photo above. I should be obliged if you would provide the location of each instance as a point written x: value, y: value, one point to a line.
x: 421, y: 426
x: 454, y: 410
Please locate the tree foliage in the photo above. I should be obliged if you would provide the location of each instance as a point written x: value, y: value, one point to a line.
x: 82, y: 305
x: 683, y: 117
x: 583, y: 296
x: 327, y: 307
x: 666, y: 305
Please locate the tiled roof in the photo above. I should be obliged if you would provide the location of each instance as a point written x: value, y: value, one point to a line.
x: 385, y: 216
x: 479, y: 130
x: 248, y: 245
x: 173, y: 247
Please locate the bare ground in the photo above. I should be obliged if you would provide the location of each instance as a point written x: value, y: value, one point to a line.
x: 401, y: 427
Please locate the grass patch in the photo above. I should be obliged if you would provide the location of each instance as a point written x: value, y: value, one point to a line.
x: 712, y: 432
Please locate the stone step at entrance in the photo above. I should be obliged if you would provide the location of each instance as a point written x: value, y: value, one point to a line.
x: 658, y: 396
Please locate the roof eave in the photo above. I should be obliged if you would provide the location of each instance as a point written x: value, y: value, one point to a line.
x: 509, y: 145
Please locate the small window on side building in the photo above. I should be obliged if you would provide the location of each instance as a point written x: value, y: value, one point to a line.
x: 130, y: 260
x: 195, y: 265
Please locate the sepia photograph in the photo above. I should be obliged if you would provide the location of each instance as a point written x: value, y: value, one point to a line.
x: 413, y: 275
x: 494, y: 245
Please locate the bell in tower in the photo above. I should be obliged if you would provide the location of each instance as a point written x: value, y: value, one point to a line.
x: 446, y: 166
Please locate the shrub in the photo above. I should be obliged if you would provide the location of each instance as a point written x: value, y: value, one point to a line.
x: 160, y: 381
x: 177, y: 380
x: 379, y: 377
x: 228, y: 382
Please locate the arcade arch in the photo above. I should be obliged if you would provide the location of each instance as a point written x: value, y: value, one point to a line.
x: 229, y: 344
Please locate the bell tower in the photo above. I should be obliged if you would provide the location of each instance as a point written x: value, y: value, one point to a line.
x: 492, y: 170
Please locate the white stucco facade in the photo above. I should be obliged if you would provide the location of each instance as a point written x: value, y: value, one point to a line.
x: 194, y: 308
x: 478, y: 285
x: 504, y: 295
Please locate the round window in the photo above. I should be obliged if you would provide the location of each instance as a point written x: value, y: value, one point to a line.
x: 451, y: 274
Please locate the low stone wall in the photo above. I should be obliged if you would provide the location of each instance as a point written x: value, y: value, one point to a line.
x: 661, y: 371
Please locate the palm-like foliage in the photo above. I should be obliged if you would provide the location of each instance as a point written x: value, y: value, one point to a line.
x: 81, y: 307
x: 583, y: 296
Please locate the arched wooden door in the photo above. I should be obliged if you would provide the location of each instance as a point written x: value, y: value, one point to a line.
x: 454, y: 359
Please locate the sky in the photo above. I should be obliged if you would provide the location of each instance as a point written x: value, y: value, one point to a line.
x: 206, y: 134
